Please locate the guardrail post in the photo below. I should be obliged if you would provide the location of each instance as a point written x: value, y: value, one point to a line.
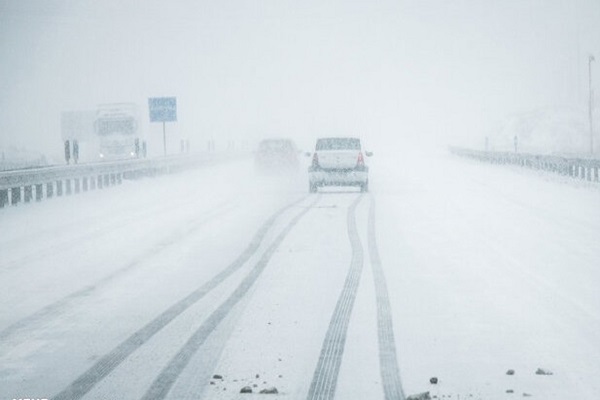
x: 77, y: 185
x: 28, y: 193
x: 68, y: 187
x: 3, y: 198
x: 49, y: 190
x: 113, y: 179
x: 588, y: 173
x: 59, y: 188
x: 39, y: 192
x: 100, y: 182
x: 15, y: 195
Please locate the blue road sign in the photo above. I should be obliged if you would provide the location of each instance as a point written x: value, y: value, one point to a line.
x: 163, y: 109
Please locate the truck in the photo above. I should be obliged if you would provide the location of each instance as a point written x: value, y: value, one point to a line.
x: 116, y: 127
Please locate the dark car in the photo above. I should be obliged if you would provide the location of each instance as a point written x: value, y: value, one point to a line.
x: 276, y: 155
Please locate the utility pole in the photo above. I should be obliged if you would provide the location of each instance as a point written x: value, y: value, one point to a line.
x: 590, y: 59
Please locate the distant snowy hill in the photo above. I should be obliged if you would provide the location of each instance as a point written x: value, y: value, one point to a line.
x: 548, y: 131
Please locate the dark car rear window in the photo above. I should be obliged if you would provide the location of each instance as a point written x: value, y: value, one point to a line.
x: 338, y: 144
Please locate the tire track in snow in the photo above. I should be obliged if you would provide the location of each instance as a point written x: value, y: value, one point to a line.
x: 326, y: 373
x: 164, y: 382
x: 104, y: 366
x: 388, y: 362
x: 54, y: 309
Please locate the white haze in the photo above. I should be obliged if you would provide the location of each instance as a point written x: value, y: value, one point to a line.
x: 416, y: 71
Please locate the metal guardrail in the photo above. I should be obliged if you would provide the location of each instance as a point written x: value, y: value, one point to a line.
x: 581, y: 168
x: 22, y: 186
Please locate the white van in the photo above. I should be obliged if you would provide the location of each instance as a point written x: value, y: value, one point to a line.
x: 338, y: 162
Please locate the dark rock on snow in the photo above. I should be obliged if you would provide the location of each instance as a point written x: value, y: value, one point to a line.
x: 420, y: 396
x: 246, y: 389
x: 510, y: 372
x: 433, y: 380
x: 216, y: 376
x: 271, y: 390
x: 542, y: 371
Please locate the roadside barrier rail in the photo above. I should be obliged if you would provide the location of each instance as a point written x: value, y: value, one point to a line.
x: 580, y: 168
x: 25, y: 185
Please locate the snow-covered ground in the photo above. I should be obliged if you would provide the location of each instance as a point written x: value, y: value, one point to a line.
x: 149, y: 289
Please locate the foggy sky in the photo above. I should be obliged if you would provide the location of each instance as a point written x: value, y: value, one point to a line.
x: 417, y: 70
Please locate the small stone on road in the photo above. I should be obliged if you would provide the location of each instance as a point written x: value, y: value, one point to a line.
x: 246, y: 389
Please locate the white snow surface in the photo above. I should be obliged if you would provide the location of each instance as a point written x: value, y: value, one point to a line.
x: 488, y: 268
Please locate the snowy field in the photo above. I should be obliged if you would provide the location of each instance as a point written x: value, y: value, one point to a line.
x: 447, y: 268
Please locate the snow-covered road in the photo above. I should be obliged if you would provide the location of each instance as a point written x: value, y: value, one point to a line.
x: 447, y: 269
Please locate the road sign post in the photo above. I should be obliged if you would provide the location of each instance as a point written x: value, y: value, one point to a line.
x: 67, y: 151
x: 163, y: 109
